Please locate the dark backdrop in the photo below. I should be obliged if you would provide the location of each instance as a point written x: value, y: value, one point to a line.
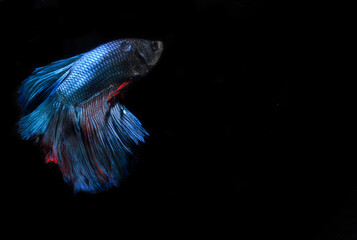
x: 222, y: 156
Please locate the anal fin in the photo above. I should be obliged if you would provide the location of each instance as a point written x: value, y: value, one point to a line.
x: 93, y: 144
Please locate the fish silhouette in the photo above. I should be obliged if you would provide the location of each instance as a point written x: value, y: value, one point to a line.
x: 71, y: 107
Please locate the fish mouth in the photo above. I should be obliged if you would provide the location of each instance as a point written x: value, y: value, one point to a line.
x: 159, y: 47
x: 150, y: 57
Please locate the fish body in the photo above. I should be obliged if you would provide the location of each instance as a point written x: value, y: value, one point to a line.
x: 70, y: 105
x: 108, y: 65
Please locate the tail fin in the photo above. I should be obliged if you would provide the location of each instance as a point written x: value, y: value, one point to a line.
x: 35, y: 99
x: 92, y: 143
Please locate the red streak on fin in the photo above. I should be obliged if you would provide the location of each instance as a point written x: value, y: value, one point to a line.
x: 51, y: 159
x: 117, y: 91
x: 86, y: 131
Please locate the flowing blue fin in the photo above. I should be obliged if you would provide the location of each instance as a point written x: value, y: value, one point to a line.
x: 36, y: 122
x: 93, y: 143
x: 36, y: 88
x: 35, y: 96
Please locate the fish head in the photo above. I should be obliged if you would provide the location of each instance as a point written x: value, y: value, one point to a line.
x: 143, y: 55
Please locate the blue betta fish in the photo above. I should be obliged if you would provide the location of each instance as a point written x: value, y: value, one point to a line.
x: 71, y: 107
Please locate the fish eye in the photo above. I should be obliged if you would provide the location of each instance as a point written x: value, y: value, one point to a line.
x: 125, y: 46
x: 154, y: 45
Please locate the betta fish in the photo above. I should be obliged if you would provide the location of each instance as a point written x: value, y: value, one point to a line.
x: 71, y: 107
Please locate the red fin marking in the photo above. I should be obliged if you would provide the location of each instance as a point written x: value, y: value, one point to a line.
x: 117, y: 91
x: 86, y: 131
x: 51, y: 159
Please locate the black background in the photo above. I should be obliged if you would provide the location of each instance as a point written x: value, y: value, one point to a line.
x: 223, y: 156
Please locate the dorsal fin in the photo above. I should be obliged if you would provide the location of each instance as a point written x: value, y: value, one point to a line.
x: 36, y: 88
